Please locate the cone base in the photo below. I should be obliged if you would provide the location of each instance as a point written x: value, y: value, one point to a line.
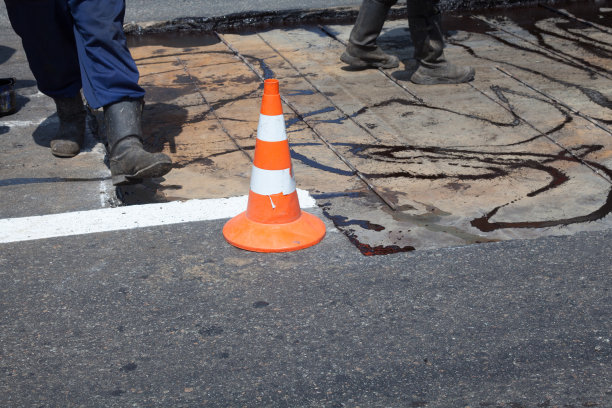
x: 302, y: 233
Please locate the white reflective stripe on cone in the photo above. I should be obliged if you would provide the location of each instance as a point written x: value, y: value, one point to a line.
x: 271, y: 128
x: 268, y: 182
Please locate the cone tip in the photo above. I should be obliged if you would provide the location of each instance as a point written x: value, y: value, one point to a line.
x: 271, y: 101
x: 271, y: 86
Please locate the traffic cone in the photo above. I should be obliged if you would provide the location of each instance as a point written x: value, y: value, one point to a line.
x: 273, y: 221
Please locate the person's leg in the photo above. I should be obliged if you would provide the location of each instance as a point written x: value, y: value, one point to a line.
x: 110, y: 80
x: 424, y: 21
x: 362, y: 51
x: 45, y: 28
x: 108, y: 70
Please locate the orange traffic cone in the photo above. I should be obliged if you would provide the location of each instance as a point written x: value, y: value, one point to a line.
x: 273, y: 221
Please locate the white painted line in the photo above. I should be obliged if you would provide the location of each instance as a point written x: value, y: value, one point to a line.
x: 122, y: 218
x: 104, y: 194
x: 26, y: 123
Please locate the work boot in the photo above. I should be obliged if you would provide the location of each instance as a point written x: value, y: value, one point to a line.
x: 424, y: 21
x: 362, y: 51
x: 129, y: 162
x: 69, y: 138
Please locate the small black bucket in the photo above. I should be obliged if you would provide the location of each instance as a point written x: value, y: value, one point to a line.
x: 7, y: 96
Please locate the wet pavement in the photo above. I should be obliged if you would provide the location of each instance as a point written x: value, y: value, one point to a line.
x: 523, y: 151
x: 446, y: 182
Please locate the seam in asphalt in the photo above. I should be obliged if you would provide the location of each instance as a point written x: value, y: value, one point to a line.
x: 259, y: 20
x: 253, y: 20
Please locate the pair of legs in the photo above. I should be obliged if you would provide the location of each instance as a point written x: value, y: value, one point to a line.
x: 424, y: 22
x: 80, y: 44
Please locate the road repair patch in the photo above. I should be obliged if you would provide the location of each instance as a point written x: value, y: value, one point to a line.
x: 522, y: 151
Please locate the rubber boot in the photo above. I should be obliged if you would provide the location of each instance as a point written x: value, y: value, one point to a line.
x: 69, y: 138
x: 424, y: 21
x: 362, y: 51
x: 129, y: 162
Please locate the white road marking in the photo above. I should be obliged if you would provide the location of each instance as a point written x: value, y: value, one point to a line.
x: 104, y: 194
x: 122, y: 218
x: 26, y: 123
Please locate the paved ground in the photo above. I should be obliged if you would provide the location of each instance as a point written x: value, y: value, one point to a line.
x: 154, y: 10
x: 141, y: 11
x: 173, y: 316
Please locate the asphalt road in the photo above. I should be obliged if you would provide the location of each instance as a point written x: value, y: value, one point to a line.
x: 158, y: 10
x: 173, y: 316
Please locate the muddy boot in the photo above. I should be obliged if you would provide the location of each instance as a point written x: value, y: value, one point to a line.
x: 362, y: 51
x: 424, y: 20
x: 69, y: 138
x: 129, y: 162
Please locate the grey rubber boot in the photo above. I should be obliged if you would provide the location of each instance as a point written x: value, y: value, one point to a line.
x: 424, y: 21
x: 362, y: 51
x: 129, y: 162
x: 69, y: 138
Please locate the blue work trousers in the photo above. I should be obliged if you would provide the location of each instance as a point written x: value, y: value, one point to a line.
x: 74, y: 44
